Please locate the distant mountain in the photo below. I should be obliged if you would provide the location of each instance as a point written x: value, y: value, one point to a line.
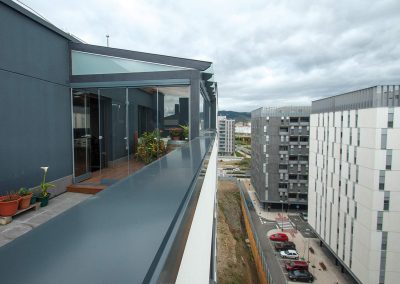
x: 237, y: 116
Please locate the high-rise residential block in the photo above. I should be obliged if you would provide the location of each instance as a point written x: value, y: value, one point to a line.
x: 279, y: 167
x: 226, y: 128
x: 354, y: 181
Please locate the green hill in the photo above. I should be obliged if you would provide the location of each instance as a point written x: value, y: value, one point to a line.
x: 237, y: 116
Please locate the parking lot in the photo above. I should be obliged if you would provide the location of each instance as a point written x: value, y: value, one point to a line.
x: 301, y: 234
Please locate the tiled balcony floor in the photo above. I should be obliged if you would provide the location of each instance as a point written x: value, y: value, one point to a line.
x: 28, y: 220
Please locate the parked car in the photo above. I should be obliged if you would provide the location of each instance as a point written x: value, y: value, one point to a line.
x: 296, y: 265
x: 301, y: 275
x: 279, y: 237
x: 284, y: 246
x: 289, y: 254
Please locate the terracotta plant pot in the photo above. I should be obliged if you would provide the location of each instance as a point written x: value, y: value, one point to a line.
x: 9, y: 207
x: 25, y: 201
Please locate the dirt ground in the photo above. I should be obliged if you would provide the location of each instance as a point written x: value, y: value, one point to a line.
x: 235, y: 262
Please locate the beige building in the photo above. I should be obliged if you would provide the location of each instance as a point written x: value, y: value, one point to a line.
x: 354, y: 181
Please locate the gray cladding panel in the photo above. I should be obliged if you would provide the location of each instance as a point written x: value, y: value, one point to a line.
x: 35, y: 123
x: 31, y: 49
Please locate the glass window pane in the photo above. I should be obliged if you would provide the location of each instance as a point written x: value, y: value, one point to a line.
x: 88, y: 63
x: 173, y: 105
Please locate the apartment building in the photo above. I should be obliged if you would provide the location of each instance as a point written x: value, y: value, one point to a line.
x: 226, y: 129
x: 279, y: 165
x: 354, y: 193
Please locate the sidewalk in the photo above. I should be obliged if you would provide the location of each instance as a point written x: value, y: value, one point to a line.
x: 25, y: 222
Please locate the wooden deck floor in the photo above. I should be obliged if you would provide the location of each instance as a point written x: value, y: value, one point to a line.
x: 101, y: 179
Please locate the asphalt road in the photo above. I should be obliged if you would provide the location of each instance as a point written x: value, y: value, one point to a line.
x: 262, y: 226
x: 302, y: 226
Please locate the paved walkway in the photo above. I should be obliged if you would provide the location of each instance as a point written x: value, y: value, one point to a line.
x: 28, y: 220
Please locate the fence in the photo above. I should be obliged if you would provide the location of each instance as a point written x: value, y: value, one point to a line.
x: 258, y: 253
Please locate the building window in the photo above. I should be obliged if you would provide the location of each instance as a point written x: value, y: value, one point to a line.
x: 348, y: 119
x: 355, y: 210
x: 356, y: 118
x: 384, y: 241
x: 357, y: 173
x: 386, y: 201
x: 390, y: 117
x: 388, y: 159
x: 355, y: 155
x: 381, y: 180
x: 384, y: 138
x: 358, y: 137
x: 379, y: 221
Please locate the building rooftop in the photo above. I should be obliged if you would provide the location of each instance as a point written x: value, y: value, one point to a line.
x: 281, y: 111
x: 376, y: 96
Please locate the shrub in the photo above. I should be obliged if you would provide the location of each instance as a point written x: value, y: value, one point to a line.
x: 150, y: 147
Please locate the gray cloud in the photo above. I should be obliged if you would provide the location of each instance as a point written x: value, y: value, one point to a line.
x: 275, y: 52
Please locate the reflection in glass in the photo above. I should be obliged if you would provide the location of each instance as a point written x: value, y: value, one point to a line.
x: 173, y: 105
x: 201, y: 110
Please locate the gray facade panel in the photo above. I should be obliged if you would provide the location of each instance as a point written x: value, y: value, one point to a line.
x: 35, y: 108
x: 35, y: 123
x: 31, y: 49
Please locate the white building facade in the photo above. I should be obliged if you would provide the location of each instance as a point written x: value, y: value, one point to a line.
x: 354, y: 181
x: 226, y: 129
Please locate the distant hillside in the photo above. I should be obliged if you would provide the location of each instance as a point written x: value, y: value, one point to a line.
x: 237, y: 116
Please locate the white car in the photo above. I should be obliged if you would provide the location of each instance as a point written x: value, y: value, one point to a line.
x: 289, y: 254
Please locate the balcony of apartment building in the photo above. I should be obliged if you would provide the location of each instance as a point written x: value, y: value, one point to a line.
x: 294, y: 120
x: 304, y: 140
x: 283, y: 130
x: 283, y: 149
x: 150, y: 225
x: 283, y: 167
x: 156, y: 225
x: 304, y: 120
x: 297, y: 197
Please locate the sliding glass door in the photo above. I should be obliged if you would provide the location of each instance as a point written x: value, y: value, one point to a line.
x: 109, y: 122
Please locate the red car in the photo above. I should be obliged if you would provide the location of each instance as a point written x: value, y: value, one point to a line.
x: 279, y: 237
x: 296, y: 265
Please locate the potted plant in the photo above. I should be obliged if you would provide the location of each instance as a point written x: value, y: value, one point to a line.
x: 150, y: 147
x: 26, y: 196
x: 9, y: 204
x: 175, y: 133
x: 44, y: 186
x: 185, y: 132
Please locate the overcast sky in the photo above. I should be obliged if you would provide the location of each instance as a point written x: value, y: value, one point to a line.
x: 265, y: 53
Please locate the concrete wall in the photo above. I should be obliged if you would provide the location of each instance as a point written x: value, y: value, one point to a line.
x: 35, y: 106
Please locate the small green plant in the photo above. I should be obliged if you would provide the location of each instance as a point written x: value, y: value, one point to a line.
x: 185, y: 131
x: 23, y: 191
x: 150, y: 147
x: 10, y: 196
x: 45, y: 185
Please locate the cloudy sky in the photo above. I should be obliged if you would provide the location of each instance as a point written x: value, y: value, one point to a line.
x: 265, y: 53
